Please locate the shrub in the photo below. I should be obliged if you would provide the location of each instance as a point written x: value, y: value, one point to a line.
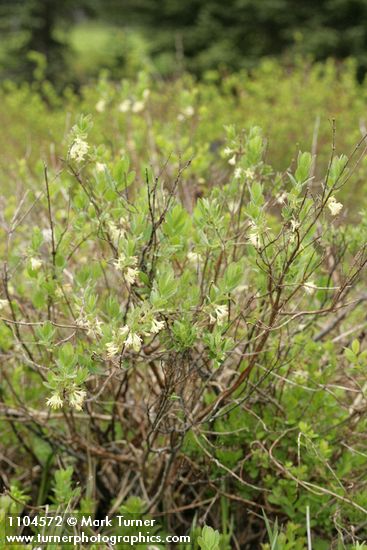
x: 192, y: 353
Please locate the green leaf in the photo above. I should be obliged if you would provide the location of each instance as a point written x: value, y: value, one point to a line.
x: 39, y: 299
x: 45, y: 333
x: 233, y: 276
x: 209, y: 539
x: 60, y: 260
x: 254, y: 150
x: 337, y: 169
x: 66, y: 356
x: 164, y: 288
x: 304, y: 164
x: 184, y: 333
x: 63, y: 489
x: 350, y: 355
x: 37, y: 239
x: 257, y: 194
x: 355, y: 346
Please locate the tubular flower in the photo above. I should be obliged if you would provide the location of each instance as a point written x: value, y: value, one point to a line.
x: 219, y: 315
x: 131, y: 274
x: 249, y: 174
x: 124, y: 106
x: 112, y: 349
x: 193, y: 257
x: 334, y: 206
x: 122, y: 262
x: 133, y: 341
x: 254, y: 236
x: 76, y: 399
x: 101, y: 105
x: 55, y: 401
x: 138, y: 106
x: 157, y: 326
x: 281, y: 199
x: 35, y: 263
x: 294, y: 225
x: 189, y: 111
x: 124, y: 330
x: 47, y: 235
x: 94, y: 328
x: 78, y: 150
x: 127, y: 266
x: 116, y: 233
x: 238, y: 173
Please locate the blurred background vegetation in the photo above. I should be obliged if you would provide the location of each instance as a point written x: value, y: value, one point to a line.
x: 79, y: 38
x: 285, y: 65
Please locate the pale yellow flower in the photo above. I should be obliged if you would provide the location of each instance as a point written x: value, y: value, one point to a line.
x: 82, y: 322
x: 138, y: 106
x: 249, y: 174
x: 76, y: 399
x: 254, y: 236
x: 232, y: 160
x: 133, y: 341
x: 238, y: 173
x: 125, y: 106
x: 120, y: 262
x: 116, y: 233
x: 334, y: 206
x: 294, y: 225
x: 124, y: 330
x: 112, y: 350
x: 194, y: 257
x: 233, y: 206
x: 130, y: 275
x: 101, y: 105
x: 157, y: 326
x: 189, y: 111
x: 78, y: 150
x: 282, y: 198
x: 94, y: 328
x: 219, y: 315
x: 55, y: 401
x: 47, y: 235
x: 35, y: 263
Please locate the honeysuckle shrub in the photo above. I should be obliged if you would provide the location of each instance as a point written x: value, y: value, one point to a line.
x: 172, y: 351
